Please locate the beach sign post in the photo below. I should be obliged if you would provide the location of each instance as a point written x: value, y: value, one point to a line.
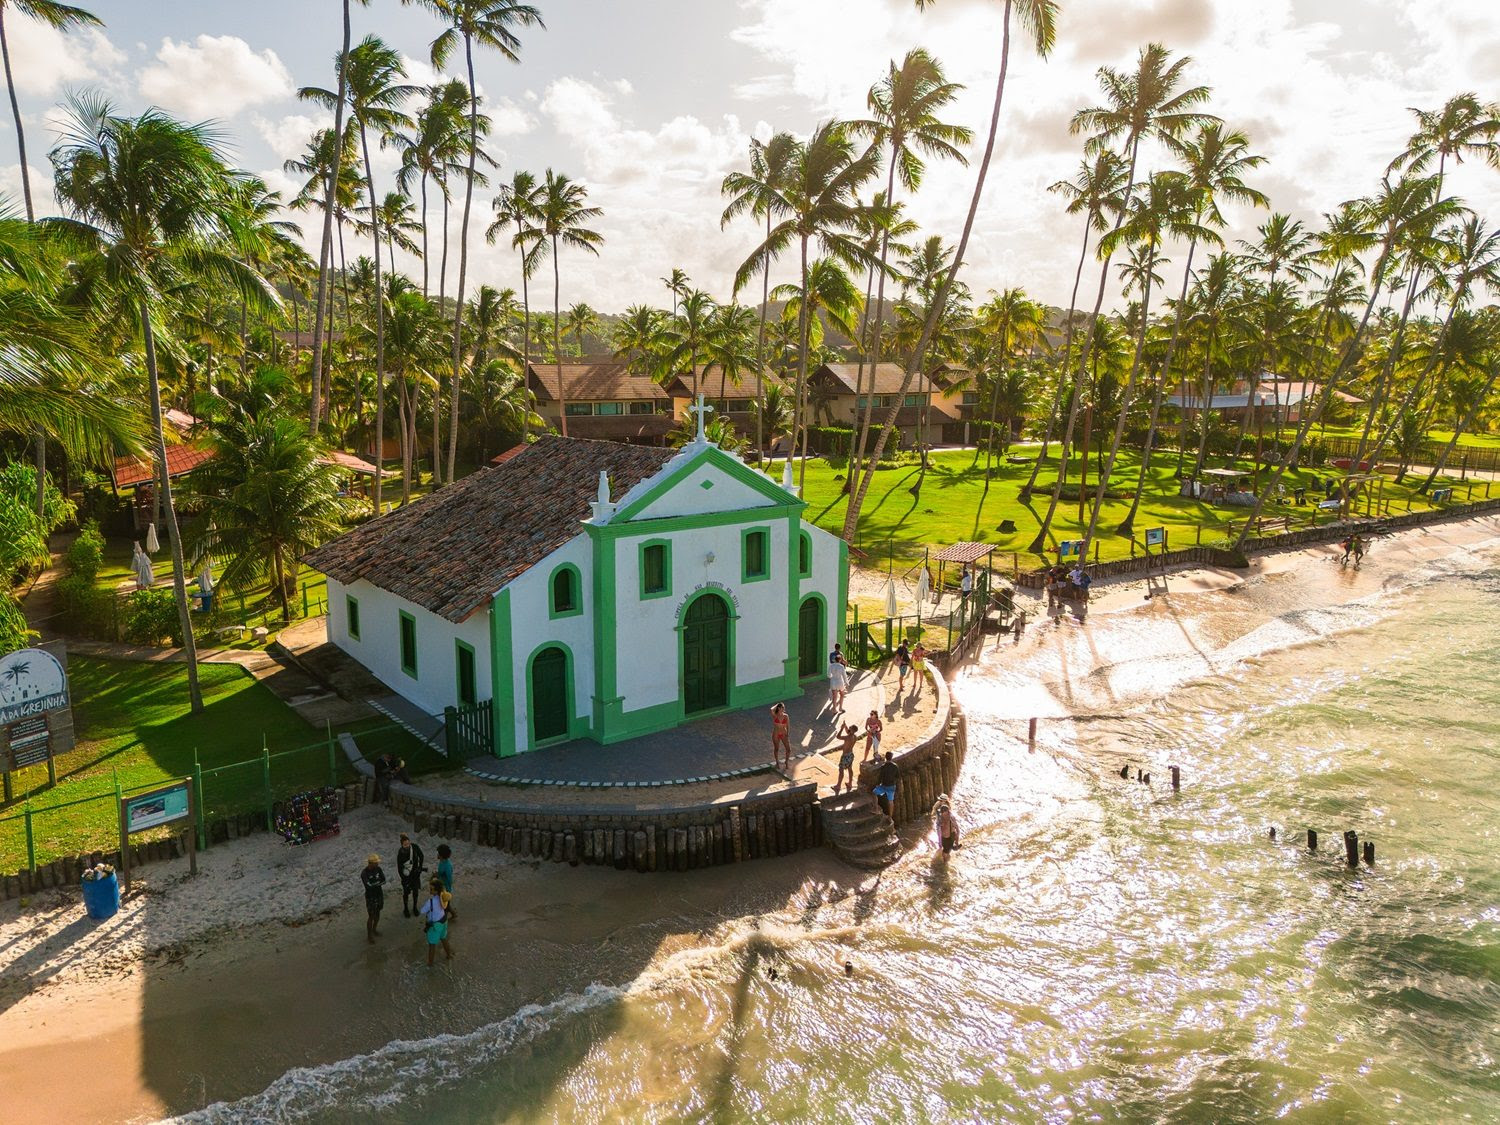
x: 1156, y: 537
x: 1066, y: 547
x: 36, y: 719
x: 165, y: 804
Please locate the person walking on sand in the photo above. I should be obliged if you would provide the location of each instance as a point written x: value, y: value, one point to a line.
x: 873, y: 727
x: 781, y: 736
x: 434, y: 915
x: 903, y: 665
x: 1018, y: 626
x: 410, y: 863
x: 445, y: 867
x: 945, y: 823
x: 918, y: 668
x: 838, y: 680
x: 885, y: 789
x: 848, y: 736
x: 373, y: 879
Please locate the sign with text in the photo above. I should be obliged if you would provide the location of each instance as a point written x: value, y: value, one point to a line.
x: 36, y: 721
x: 157, y: 806
x: 1156, y: 536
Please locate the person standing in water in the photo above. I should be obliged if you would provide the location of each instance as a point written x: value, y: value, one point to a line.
x: 410, y: 863
x: 781, y: 736
x: 945, y: 823
x: 434, y: 914
x: 373, y: 879
x: 445, y: 867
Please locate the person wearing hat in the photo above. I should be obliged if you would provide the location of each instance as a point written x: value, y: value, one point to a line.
x: 374, y: 880
x: 410, y: 863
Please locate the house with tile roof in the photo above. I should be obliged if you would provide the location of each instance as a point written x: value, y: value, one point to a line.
x: 602, y: 398
x: 591, y: 589
x: 846, y: 387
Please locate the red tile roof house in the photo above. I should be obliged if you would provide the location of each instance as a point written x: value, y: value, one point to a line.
x: 839, y: 382
x: 603, y: 398
x: 591, y: 589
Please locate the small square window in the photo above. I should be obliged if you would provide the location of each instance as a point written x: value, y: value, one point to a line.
x: 757, y: 554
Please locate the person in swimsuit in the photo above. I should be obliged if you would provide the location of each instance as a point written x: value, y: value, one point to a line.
x: 946, y: 825
x: 838, y: 681
x: 903, y: 665
x: 434, y: 914
x: 873, y: 727
x: 373, y: 879
x: 885, y: 791
x: 848, y: 736
x: 781, y: 736
x: 919, y: 668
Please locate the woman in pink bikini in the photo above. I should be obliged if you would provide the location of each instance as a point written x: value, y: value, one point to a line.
x: 781, y: 736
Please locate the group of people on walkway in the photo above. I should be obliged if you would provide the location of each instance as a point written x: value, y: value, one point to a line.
x: 435, y: 911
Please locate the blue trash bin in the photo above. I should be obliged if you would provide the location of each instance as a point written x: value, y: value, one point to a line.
x: 101, y: 897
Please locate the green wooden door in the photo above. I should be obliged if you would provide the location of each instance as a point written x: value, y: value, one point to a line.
x: 549, y: 695
x: 810, y: 643
x: 705, y: 655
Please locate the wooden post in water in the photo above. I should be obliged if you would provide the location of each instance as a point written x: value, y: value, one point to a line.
x: 1312, y: 839
x: 1351, y: 847
x: 1031, y: 736
x: 1176, y: 778
x: 1369, y: 854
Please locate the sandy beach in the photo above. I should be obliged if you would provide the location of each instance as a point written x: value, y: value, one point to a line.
x: 209, y: 989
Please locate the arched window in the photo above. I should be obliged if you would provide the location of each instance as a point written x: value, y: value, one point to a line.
x: 804, y: 554
x: 567, y: 592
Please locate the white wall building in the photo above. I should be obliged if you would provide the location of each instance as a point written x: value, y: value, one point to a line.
x: 592, y: 590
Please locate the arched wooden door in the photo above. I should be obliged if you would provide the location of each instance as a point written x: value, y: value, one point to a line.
x: 549, y: 694
x: 810, y: 641
x: 705, y: 655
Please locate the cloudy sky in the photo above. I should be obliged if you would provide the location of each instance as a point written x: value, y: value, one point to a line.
x: 650, y: 102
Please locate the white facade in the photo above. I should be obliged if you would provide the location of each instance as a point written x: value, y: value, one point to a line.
x: 618, y: 659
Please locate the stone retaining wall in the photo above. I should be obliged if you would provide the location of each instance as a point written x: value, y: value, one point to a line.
x: 931, y: 766
x: 66, y: 872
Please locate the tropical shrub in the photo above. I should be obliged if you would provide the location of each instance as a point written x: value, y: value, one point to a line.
x: 85, y: 555
x: 151, y: 617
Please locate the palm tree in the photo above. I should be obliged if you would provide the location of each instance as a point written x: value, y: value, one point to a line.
x: 773, y: 412
x: 756, y: 193
x: 1144, y: 104
x: 519, y: 202
x: 581, y: 320
x: 1284, y: 245
x: 371, y: 76
x: 638, y: 339
x: 266, y: 500
x: 432, y: 151
x: 562, y: 212
x: 397, y: 225
x: 488, y: 23
x: 1039, y: 18
x: 677, y: 284
x: 153, y: 198
x: 904, y: 124
x: 816, y: 201
x: 684, y: 338
x: 729, y: 348
x: 332, y: 168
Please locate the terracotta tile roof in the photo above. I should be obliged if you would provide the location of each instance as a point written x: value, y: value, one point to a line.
x: 347, y: 461
x: 888, y: 378
x: 681, y: 386
x: 129, y: 472
x: 450, y: 551
x: 501, y: 458
x: 592, y: 380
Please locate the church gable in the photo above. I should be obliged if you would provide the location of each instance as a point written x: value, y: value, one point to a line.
x: 701, y: 481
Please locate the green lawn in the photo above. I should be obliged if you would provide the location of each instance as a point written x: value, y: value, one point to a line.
x: 1441, y: 437
x: 133, y: 724
x: 952, y: 505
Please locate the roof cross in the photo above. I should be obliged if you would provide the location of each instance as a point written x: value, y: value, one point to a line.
x: 702, y: 412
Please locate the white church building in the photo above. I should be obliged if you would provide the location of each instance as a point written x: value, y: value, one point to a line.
x: 592, y: 590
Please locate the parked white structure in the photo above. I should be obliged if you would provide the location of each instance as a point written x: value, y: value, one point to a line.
x: 592, y: 590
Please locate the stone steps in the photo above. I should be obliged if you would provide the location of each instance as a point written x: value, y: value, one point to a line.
x: 860, y: 833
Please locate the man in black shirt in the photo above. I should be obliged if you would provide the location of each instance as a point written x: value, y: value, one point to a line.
x: 885, y: 792
x: 409, y: 865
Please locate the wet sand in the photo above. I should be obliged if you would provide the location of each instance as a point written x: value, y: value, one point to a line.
x: 208, y: 990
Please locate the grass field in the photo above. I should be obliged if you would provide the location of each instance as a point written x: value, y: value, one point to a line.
x: 953, y: 504
x: 133, y: 725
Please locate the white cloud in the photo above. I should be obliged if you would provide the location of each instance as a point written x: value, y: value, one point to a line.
x: 288, y: 136
x: 44, y: 59
x: 214, y: 76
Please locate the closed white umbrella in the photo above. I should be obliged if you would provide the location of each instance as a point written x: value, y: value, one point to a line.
x: 153, y: 544
x: 890, y: 597
x: 145, y: 577
x: 924, y: 587
x: 206, y: 579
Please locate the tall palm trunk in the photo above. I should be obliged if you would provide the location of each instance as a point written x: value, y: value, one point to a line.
x: 425, y: 268
x: 169, y: 514
x: 325, y: 244
x: 463, y: 262
x: 760, y: 348
x: 1064, y: 368
x: 562, y: 392
x: 1459, y: 429
x: 934, y: 314
x: 525, y: 345
x: 364, y: 141
x: 799, y: 417
x: 856, y: 447
x: 851, y: 515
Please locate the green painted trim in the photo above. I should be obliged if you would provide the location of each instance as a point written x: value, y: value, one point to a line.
x: 575, y: 729
x: 666, y: 568
x: 713, y: 455
x: 841, y: 579
x: 666, y: 716
x: 460, y: 647
x: 401, y: 643
x: 666, y: 524
x: 351, y: 616
x: 552, y: 611
x: 765, y: 554
x: 823, y: 646
x: 733, y: 617
x: 502, y: 675
x: 606, y: 703
x: 804, y: 553
x: 793, y: 602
